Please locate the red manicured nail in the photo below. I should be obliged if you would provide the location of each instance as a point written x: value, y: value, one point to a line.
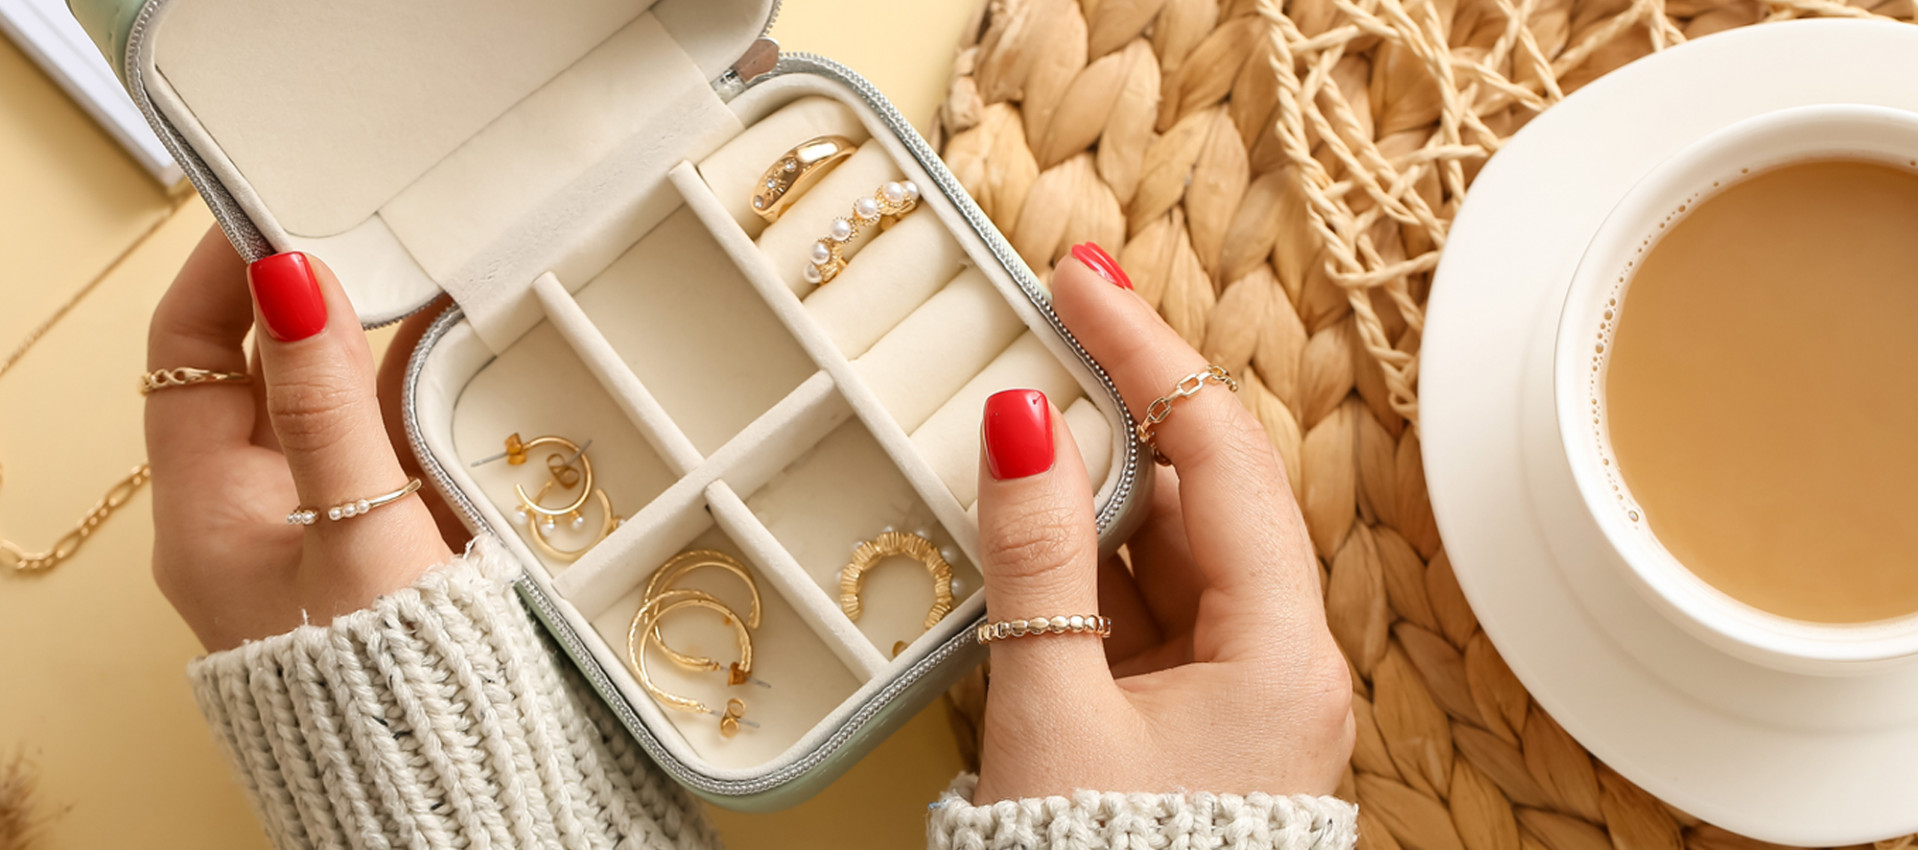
x: 1099, y: 261
x: 1018, y: 434
x: 288, y: 295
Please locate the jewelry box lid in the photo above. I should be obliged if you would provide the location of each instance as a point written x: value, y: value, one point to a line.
x: 425, y: 146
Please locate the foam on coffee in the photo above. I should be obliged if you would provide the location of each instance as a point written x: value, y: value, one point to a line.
x: 1759, y: 363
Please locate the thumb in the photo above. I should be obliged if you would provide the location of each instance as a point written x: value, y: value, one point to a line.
x: 1039, y: 546
x: 321, y: 398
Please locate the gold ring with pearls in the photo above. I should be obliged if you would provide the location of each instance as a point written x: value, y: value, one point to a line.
x: 796, y: 171
x: 826, y: 258
x: 351, y: 508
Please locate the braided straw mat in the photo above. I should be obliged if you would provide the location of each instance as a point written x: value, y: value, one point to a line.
x: 1279, y: 184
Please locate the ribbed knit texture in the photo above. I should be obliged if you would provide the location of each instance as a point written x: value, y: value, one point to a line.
x: 440, y: 717
x: 1093, y: 820
x: 436, y: 718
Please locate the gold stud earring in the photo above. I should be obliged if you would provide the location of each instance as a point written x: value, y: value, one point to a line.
x: 852, y: 577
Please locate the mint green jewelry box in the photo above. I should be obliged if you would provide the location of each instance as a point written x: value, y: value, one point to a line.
x: 578, y: 177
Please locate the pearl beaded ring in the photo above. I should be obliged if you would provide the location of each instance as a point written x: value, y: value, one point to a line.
x: 826, y: 259
x: 304, y: 515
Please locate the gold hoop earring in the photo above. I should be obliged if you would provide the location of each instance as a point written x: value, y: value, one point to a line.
x: 561, y: 468
x: 541, y: 520
x: 642, y: 631
x: 852, y: 577
x: 679, y: 565
x: 608, y: 524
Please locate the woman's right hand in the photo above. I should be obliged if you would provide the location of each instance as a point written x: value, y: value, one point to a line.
x: 1220, y: 674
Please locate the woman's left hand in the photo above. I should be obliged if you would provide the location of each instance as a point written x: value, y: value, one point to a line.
x: 230, y: 461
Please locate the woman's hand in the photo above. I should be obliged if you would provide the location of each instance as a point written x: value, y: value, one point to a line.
x: 230, y: 460
x: 1220, y: 674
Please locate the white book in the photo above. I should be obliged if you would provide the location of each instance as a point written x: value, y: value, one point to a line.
x: 47, y: 32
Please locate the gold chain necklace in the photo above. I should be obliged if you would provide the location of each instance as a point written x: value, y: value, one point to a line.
x: 14, y: 557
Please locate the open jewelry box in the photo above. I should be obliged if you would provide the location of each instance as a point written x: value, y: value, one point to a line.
x: 579, y: 178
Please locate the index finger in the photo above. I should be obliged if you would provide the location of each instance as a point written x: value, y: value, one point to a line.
x: 201, y: 322
x: 1246, y: 534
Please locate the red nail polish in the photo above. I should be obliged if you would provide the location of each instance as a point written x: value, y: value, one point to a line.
x: 1099, y: 261
x: 1018, y: 434
x: 288, y: 296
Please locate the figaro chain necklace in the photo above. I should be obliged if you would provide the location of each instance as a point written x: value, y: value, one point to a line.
x: 16, y: 558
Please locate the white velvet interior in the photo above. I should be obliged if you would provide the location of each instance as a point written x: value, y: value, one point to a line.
x: 520, y: 142
x: 897, y: 272
x: 540, y: 387
x: 681, y: 315
x: 940, y: 346
x: 846, y: 490
x: 807, y: 681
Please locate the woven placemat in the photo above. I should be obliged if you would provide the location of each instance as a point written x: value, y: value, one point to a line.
x: 1279, y: 184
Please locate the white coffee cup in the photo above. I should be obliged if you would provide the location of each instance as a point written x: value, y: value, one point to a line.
x: 1581, y: 355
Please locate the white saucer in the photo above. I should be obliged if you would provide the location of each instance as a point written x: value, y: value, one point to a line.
x: 1786, y: 758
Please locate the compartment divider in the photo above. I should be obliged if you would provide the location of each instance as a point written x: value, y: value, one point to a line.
x: 615, y: 376
x: 865, y: 403
x: 791, y: 582
x: 644, y: 541
x: 632, y: 550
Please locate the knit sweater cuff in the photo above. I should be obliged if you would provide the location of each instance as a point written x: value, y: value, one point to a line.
x: 434, y: 717
x: 1092, y: 820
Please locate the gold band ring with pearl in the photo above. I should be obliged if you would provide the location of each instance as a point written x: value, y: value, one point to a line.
x: 1161, y: 407
x: 1076, y: 624
x: 304, y: 515
x: 826, y: 258
x: 185, y: 376
x: 796, y: 171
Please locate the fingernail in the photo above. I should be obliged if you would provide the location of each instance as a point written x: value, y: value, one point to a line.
x: 288, y: 295
x: 1018, y: 434
x: 1099, y: 261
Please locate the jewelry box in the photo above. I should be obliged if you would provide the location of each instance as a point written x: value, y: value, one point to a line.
x: 580, y: 178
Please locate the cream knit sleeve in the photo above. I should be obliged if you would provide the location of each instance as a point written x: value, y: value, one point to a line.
x: 435, y: 718
x: 1093, y: 820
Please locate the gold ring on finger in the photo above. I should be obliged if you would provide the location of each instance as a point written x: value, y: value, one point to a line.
x: 185, y: 376
x: 1161, y: 407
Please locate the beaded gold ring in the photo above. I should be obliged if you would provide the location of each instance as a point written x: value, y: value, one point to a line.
x: 1077, y: 624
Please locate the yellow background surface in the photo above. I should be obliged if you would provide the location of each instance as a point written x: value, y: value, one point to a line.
x: 92, y: 688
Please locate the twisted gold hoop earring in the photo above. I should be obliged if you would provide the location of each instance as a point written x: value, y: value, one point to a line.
x: 685, y: 562
x: 852, y: 577
x: 642, y: 631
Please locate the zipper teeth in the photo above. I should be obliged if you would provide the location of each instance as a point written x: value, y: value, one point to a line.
x: 771, y: 18
x: 563, y: 632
